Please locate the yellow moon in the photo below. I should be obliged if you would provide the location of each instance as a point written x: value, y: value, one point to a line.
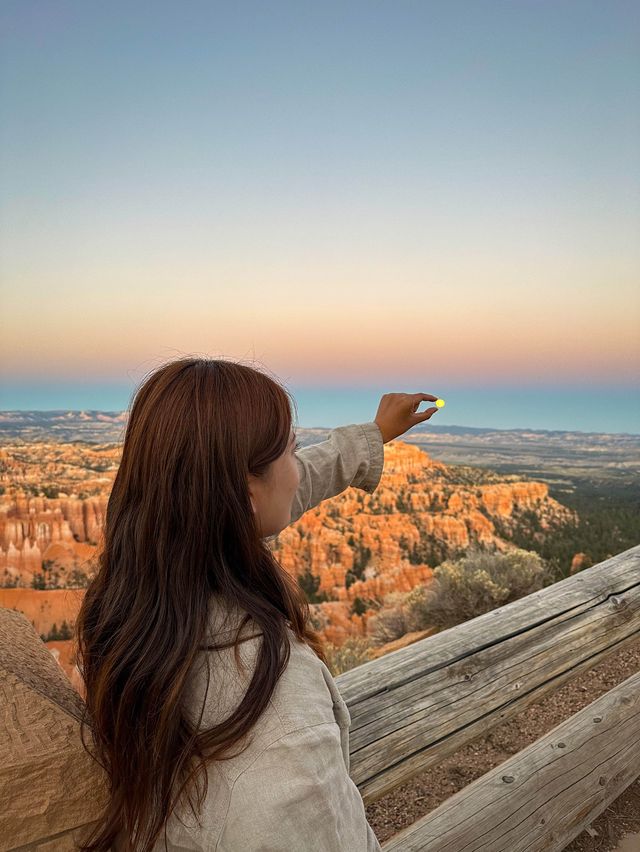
x: 439, y: 402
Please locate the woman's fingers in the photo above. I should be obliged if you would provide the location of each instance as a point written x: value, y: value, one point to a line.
x: 425, y: 415
x: 397, y: 413
x: 421, y: 397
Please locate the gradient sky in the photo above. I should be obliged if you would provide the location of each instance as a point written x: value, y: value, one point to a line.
x: 430, y: 194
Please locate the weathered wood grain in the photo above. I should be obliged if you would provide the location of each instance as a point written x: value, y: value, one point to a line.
x: 49, y: 785
x: 413, y: 707
x: 544, y: 796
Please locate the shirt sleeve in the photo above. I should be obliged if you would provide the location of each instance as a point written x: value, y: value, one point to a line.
x: 297, y: 794
x: 351, y: 456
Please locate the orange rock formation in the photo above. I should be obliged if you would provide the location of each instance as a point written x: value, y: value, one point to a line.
x: 358, y: 546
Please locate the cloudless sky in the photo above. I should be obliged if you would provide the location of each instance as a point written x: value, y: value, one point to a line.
x: 409, y: 195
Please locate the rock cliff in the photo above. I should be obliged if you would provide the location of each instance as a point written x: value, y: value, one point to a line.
x: 348, y: 551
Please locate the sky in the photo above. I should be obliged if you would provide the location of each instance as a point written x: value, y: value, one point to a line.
x: 362, y: 197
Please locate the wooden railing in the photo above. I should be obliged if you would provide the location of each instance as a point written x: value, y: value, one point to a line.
x: 409, y: 710
x: 413, y: 707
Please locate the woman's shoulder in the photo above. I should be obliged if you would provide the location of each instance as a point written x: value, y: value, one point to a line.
x: 304, y: 694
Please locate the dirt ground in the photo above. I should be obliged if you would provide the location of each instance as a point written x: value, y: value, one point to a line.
x: 428, y: 790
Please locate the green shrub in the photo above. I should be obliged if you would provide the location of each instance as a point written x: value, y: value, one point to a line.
x: 310, y: 584
x: 479, y: 582
x: 358, y: 607
x: 391, y: 620
x: 460, y: 590
x: 353, y: 652
x: 65, y: 632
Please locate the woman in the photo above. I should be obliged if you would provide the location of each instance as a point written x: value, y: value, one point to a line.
x: 194, y: 643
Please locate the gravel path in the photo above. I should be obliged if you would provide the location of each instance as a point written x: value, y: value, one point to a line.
x: 426, y: 791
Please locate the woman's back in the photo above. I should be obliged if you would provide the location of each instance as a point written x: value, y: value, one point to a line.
x: 290, y: 789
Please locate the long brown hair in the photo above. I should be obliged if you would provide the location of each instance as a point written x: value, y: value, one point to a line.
x: 179, y: 528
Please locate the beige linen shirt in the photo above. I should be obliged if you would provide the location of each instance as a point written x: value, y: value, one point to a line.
x: 290, y: 790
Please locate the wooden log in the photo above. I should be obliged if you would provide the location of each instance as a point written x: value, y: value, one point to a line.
x: 540, y: 799
x: 49, y: 786
x: 413, y: 707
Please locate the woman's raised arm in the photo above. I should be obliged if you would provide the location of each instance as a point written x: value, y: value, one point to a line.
x: 351, y: 456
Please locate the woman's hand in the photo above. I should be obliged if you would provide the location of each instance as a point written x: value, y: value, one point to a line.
x: 397, y: 413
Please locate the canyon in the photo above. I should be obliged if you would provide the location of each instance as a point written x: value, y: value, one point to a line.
x: 349, y: 553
